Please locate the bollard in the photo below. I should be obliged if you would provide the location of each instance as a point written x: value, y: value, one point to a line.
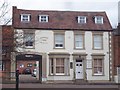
x: 17, y: 79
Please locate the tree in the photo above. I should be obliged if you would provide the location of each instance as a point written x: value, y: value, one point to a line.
x: 4, y: 12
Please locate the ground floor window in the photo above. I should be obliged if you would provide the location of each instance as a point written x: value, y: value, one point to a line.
x: 2, y: 66
x: 59, y: 66
x: 98, y: 66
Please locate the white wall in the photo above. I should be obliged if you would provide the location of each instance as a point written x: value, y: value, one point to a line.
x: 45, y: 43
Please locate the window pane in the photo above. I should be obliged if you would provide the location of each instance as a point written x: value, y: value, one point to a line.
x: 1, y: 65
x: 98, y: 66
x: 100, y: 70
x: 29, y: 39
x: 95, y: 70
x: 97, y: 41
x: 78, y: 41
x: 25, y: 17
x: 59, y: 65
x: 43, y: 18
x: 99, y: 63
x: 81, y: 19
x: 95, y: 63
x: 59, y: 69
x: 29, y: 65
x: 59, y: 40
x: 51, y: 66
x: 99, y: 20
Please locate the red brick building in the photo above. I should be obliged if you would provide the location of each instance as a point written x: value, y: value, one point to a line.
x: 7, y: 48
x: 116, y: 49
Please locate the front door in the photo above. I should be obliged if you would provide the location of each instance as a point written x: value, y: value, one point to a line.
x: 79, y: 69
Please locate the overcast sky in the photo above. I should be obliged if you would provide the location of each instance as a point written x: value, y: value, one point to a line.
x: 110, y: 6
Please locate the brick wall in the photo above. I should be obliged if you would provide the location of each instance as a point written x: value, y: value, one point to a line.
x: 25, y: 65
x: 7, y: 48
x: 116, y: 48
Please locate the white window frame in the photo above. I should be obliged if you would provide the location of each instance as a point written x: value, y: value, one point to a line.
x: 23, y: 19
x: 80, y: 41
x: 59, y: 42
x: 82, y: 19
x: 96, y: 42
x: 43, y: 19
x: 99, y: 19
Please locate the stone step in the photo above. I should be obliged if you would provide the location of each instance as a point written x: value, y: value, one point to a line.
x: 81, y: 81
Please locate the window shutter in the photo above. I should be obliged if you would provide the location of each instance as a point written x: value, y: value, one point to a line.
x: 38, y: 18
x: 30, y: 17
x: 77, y: 19
x: 86, y: 19
x: 93, y: 19
x: 20, y: 17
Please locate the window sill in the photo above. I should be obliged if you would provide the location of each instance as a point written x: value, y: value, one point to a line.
x: 98, y: 75
x: 79, y: 48
x: 25, y: 21
x: 59, y: 75
x: 97, y: 49
x: 28, y: 47
x: 58, y: 48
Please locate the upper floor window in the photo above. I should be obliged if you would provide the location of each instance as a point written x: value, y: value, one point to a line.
x: 97, y: 41
x: 29, y: 40
x: 21, y: 65
x: 81, y: 19
x: 43, y: 18
x: 25, y: 17
x: 98, y: 19
x: 29, y: 65
x: 79, y: 41
x: 59, y: 40
x: 2, y: 65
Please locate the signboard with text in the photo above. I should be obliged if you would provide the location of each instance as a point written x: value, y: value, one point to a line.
x: 28, y: 57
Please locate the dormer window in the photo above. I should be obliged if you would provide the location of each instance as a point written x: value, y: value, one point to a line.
x: 43, y: 18
x: 81, y: 19
x: 98, y: 19
x: 25, y: 17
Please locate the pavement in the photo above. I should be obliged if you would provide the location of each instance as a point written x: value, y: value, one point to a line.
x: 52, y: 85
x: 38, y: 85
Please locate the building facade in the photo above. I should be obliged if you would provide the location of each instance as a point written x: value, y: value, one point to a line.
x: 116, y: 53
x: 7, y: 49
x: 66, y: 45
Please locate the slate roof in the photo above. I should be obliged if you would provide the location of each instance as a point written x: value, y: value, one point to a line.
x: 60, y: 20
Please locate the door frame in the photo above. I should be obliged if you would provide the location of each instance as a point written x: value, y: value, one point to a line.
x: 82, y: 68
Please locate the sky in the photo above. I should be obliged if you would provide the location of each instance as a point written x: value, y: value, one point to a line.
x: 110, y: 6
